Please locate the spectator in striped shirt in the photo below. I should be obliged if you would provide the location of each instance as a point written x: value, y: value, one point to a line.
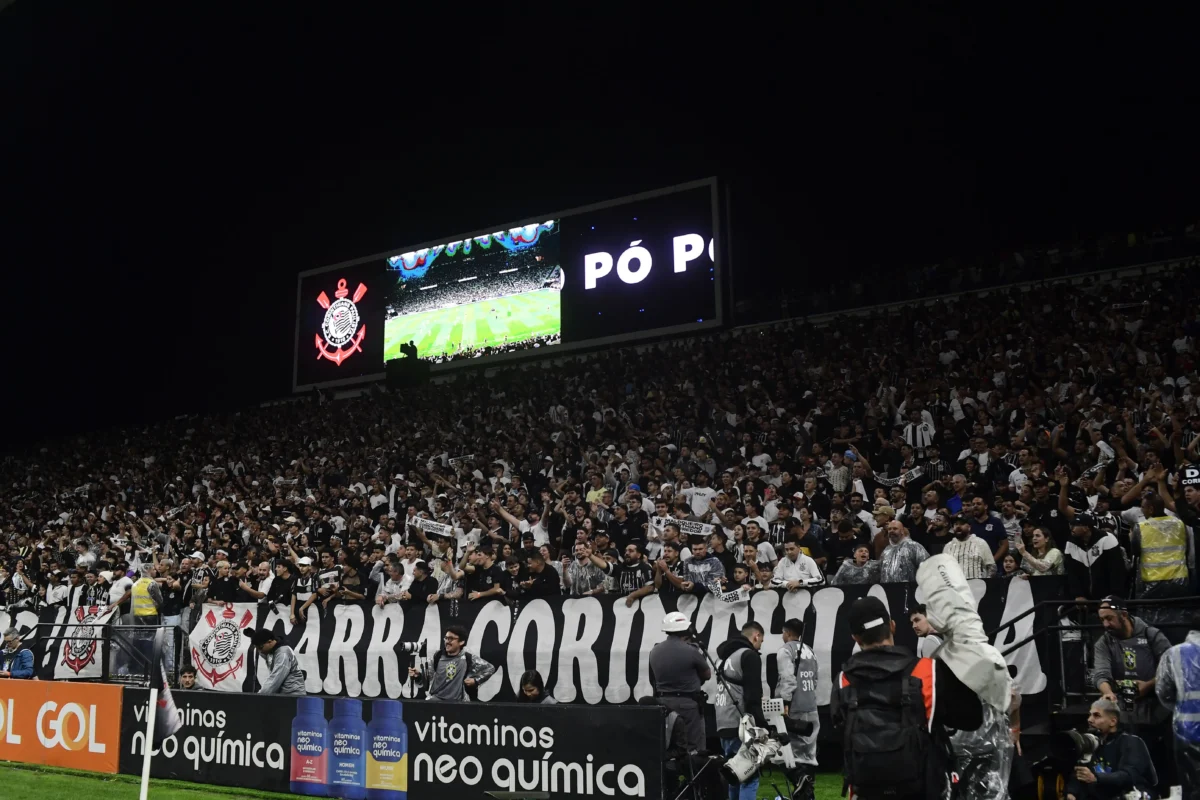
x: 972, y: 553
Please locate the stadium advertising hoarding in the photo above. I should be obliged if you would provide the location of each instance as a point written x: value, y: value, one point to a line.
x: 60, y: 724
x: 437, y: 750
x: 640, y: 266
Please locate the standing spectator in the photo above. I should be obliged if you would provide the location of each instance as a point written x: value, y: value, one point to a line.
x: 973, y: 555
x: 1043, y: 558
x: 902, y: 556
x: 580, y: 577
x: 858, y: 570
x: 1093, y: 562
x: 633, y: 577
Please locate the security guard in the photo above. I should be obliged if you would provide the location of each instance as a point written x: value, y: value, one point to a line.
x: 1162, y: 544
x: 797, y: 687
x: 147, y: 599
x: 1178, y: 687
x: 678, y: 669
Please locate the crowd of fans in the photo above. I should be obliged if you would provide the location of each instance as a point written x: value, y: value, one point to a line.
x: 507, y: 347
x: 489, y: 269
x: 1014, y: 431
x: 413, y: 299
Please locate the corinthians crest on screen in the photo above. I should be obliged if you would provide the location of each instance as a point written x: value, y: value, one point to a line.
x: 342, y: 334
x: 219, y: 654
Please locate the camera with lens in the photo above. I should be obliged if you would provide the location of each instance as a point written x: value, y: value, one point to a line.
x: 420, y: 648
x: 1073, y: 747
x: 1127, y: 692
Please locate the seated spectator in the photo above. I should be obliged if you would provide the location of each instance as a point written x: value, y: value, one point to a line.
x: 533, y: 690
x: 15, y: 661
x: 796, y: 570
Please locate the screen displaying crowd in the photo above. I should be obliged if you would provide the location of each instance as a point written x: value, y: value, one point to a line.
x: 1025, y: 432
x: 488, y: 300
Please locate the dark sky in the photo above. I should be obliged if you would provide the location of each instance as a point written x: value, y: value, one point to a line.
x: 165, y: 177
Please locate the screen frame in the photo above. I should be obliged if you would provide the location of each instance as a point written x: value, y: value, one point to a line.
x: 549, y: 352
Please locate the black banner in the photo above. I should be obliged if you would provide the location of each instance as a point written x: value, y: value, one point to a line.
x: 452, y: 751
x: 588, y: 650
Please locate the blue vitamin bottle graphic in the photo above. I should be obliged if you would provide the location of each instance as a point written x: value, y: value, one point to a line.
x: 310, y: 748
x: 347, y: 751
x: 387, y: 753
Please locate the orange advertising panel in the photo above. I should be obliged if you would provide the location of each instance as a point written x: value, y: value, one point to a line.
x: 76, y: 725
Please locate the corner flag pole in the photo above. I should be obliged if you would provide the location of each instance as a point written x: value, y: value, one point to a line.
x: 151, y: 714
x: 162, y: 721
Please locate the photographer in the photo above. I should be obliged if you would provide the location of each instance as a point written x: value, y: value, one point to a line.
x: 740, y: 693
x: 1121, y: 762
x: 677, y: 670
x: 1126, y: 662
x: 455, y: 672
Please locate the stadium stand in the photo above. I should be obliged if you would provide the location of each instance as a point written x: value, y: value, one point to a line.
x: 1032, y: 410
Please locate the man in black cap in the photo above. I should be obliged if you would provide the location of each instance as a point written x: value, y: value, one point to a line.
x: 286, y: 676
x: 887, y: 696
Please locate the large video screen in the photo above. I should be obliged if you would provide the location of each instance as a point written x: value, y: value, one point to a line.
x: 611, y: 272
x: 478, y: 296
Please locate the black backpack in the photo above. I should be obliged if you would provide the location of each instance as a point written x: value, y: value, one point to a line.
x: 886, y: 739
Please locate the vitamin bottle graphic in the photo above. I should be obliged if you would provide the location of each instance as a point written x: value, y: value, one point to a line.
x: 310, y: 745
x: 347, y: 751
x: 387, y: 754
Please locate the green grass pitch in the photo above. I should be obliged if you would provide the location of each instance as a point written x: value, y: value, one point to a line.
x: 482, y: 324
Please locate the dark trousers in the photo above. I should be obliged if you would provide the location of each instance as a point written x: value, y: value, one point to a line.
x: 691, y: 721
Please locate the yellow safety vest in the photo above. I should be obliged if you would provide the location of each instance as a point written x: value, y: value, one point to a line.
x: 1164, y: 549
x: 143, y: 603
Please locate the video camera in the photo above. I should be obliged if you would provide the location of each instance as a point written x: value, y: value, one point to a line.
x: 759, y: 746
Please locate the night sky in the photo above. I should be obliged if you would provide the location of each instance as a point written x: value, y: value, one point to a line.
x: 165, y: 177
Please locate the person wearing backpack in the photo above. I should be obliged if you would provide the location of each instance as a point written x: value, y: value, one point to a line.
x: 456, y: 674
x: 893, y: 710
x: 740, y: 692
x: 797, y: 687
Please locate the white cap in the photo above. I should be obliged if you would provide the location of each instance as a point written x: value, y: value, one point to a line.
x: 304, y: 561
x: 106, y: 575
x: 675, y: 622
x: 198, y: 555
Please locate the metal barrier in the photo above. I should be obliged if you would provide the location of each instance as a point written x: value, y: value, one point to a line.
x: 125, y: 650
x: 1075, y: 689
